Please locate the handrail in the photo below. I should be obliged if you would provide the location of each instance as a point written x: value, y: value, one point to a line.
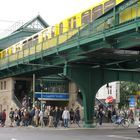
x: 98, y: 26
x: 17, y: 102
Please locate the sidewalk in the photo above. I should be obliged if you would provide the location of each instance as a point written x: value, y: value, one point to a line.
x: 103, y: 126
x: 75, y: 126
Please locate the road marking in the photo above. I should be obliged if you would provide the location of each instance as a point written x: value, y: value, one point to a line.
x: 13, y: 139
x: 122, y: 137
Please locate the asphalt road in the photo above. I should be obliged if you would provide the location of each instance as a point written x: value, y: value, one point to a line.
x: 68, y: 134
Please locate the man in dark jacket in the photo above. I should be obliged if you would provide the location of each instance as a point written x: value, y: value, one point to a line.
x: 56, y: 116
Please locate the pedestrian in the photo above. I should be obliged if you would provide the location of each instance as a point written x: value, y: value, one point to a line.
x: 131, y: 116
x: 109, y: 114
x: 51, y: 117
x: 71, y: 116
x: 31, y: 119
x: 36, y: 116
x: 17, y: 117
x: 3, y: 117
x: 66, y: 117
x: 56, y: 116
x: 77, y: 116
x: 100, y: 116
x: 26, y: 117
x: 41, y: 116
x: 11, y: 116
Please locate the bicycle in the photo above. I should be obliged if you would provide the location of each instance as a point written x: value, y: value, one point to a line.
x: 120, y: 121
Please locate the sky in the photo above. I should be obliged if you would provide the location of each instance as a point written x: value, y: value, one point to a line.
x: 52, y: 11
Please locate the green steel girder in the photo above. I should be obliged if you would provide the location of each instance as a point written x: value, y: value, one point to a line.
x: 115, y: 37
x: 90, y: 80
x: 29, y: 69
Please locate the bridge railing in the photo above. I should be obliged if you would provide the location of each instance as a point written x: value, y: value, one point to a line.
x: 55, y: 42
x: 98, y: 26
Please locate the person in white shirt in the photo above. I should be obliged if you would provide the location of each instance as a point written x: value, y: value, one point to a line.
x: 66, y: 117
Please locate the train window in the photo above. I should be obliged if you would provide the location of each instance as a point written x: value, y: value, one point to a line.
x: 52, y: 31
x: 86, y: 17
x: 29, y: 42
x: 61, y: 28
x: 74, y: 22
x: 46, y: 34
x: 35, y: 40
x: 4, y: 53
x: 109, y: 4
x: 69, y: 24
x: 97, y: 12
x: 25, y: 44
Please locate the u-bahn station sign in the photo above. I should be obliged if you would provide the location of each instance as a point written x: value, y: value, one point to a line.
x: 52, y: 96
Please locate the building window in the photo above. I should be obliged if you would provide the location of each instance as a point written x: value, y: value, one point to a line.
x: 110, y: 88
x: 5, y: 85
x: 1, y: 85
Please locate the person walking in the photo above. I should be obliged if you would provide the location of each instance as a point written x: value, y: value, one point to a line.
x: 3, y: 117
x: 36, y: 116
x: 41, y: 116
x: 109, y: 114
x: 100, y: 116
x: 11, y: 116
x: 51, y: 117
x: 66, y: 117
x: 71, y: 116
x: 77, y: 116
x: 56, y: 116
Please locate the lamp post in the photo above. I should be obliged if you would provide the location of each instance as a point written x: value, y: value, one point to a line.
x: 41, y: 86
x: 33, y: 89
x: 107, y: 86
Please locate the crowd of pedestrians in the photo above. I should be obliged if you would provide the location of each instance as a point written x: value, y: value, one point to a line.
x: 106, y: 114
x: 49, y: 117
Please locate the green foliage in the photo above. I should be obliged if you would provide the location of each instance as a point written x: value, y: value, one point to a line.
x: 127, y: 89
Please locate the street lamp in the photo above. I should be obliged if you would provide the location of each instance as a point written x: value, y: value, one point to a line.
x: 41, y: 86
x: 107, y: 86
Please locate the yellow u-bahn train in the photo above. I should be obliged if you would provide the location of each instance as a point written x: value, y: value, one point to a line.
x: 48, y: 35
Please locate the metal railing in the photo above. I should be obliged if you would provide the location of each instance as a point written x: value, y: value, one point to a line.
x: 93, y: 28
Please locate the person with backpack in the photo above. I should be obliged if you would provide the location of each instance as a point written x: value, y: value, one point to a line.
x: 11, y: 116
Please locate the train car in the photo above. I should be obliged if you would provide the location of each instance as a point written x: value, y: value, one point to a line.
x: 86, y: 16
x: 130, y: 13
x: 68, y: 25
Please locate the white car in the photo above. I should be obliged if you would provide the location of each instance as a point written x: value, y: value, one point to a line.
x: 138, y: 129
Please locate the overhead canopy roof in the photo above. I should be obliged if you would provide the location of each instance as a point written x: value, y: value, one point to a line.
x: 29, y: 28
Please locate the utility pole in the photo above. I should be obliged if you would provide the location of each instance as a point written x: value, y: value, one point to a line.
x: 33, y: 89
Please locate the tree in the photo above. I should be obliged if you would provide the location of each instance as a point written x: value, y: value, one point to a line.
x: 127, y: 89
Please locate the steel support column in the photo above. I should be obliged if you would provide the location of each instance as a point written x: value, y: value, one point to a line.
x: 89, y: 82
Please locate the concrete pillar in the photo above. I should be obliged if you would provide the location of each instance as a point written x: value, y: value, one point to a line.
x: 73, y: 90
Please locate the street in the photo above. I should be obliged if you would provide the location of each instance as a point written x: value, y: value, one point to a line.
x: 28, y: 133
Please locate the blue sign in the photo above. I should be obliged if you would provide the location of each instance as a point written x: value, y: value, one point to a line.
x: 132, y: 102
x: 51, y: 96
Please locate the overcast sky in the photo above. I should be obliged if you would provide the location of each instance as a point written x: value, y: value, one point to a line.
x: 52, y: 11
